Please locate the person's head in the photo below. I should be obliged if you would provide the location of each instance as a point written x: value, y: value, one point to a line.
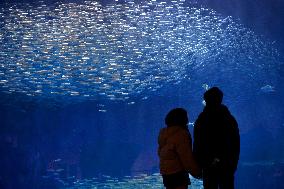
x: 213, y: 96
x: 177, y: 117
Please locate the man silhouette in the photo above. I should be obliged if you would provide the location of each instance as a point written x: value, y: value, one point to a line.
x: 216, y: 144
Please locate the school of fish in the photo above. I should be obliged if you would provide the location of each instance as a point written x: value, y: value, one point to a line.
x: 120, y: 50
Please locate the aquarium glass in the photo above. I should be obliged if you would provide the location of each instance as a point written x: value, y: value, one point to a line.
x: 85, y: 87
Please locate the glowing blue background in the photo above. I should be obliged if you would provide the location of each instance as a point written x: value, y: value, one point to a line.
x: 85, y: 111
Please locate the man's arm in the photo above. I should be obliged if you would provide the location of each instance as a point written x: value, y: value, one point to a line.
x: 235, y: 143
x: 197, y: 142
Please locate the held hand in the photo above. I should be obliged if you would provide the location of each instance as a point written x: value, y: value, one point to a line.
x: 215, y: 162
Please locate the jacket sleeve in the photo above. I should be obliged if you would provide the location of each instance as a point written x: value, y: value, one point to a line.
x: 160, y: 142
x: 184, y: 151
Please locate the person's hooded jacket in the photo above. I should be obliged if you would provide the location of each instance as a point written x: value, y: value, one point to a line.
x: 175, y: 151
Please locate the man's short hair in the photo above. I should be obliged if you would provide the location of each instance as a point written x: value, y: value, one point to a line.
x: 213, y: 96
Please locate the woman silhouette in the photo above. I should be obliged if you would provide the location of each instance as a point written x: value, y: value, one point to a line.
x: 175, y: 151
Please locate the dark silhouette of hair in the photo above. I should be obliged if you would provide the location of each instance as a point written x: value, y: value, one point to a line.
x: 176, y: 117
x: 213, y: 96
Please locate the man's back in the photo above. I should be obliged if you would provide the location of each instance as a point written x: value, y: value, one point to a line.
x: 216, y: 135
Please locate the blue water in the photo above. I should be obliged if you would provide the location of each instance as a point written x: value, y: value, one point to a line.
x: 85, y: 86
